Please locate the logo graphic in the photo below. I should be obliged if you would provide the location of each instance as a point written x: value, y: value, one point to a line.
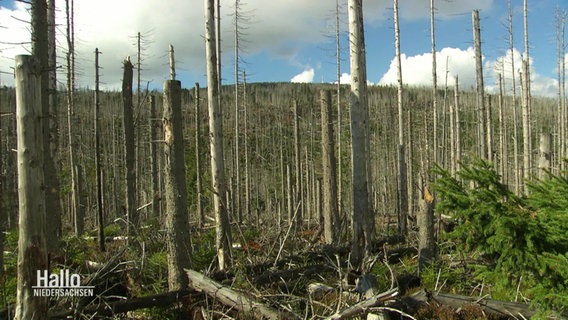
x: 62, y: 284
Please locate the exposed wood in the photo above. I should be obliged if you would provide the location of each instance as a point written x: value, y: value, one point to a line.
x: 32, y: 248
x: 175, y: 188
x: 154, y: 159
x: 362, y: 307
x: 545, y: 159
x: 481, y: 108
x: 238, y: 301
x: 198, y: 183
x: 223, y: 232
x: 362, y: 214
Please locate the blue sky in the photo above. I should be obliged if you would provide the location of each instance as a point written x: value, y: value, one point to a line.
x: 293, y: 39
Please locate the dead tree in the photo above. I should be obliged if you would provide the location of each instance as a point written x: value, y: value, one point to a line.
x: 98, y: 169
x: 52, y: 195
x: 481, y: 108
x: 223, y: 231
x: 298, y: 167
x: 434, y: 81
x: 517, y: 169
x: 154, y: 126
x: 199, y: 191
x: 402, y: 174
x: 330, y: 212
x: 32, y: 250
x: 177, y: 223
x: 363, y: 218
x: 129, y: 148
x: 545, y: 159
x: 526, y: 90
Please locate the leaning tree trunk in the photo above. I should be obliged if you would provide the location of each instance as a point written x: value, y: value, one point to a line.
x: 177, y: 224
x: 363, y: 219
x: 330, y: 212
x: 32, y: 250
x: 223, y: 231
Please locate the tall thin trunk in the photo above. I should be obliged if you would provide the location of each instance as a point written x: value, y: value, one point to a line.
x: 298, y: 168
x: 502, y: 132
x: 223, y: 232
x: 52, y: 196
x: 434, y: 82
x: 329, y: 184
x: 32, y: 248
x: 129, y: 148
x: 76, y: 212
x: 98, y: 169
x: 156, y: 197
x: 402, y: 190
x: 363, y: 218
x: 517, y: 169
x: 338, y: 94
x: 458, y: 123
x: 482, y: 113
x: 246, y: 156
x: 199, y: 191
x: 527, y: 147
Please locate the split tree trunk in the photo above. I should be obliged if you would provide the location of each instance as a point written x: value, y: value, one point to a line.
x: 177, y: 224
x: 32, y: 250
x: 223, y: 232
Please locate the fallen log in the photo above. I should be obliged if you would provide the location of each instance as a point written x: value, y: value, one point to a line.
x: 117, y: 307
x: 489, y: 306
x: 234, y: 299
x: 378, y: 300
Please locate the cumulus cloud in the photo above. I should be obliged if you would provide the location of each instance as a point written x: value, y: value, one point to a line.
x: 306, y: 76
x: 417, y: 70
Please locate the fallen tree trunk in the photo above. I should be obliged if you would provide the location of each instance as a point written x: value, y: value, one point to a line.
x: 113, y: 308
x: 364, y: 306
x: 235, y: 299
x: 489, y: 306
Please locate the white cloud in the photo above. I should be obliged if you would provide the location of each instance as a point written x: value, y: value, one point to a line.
x: 306, y: 76
x: 417, y: 70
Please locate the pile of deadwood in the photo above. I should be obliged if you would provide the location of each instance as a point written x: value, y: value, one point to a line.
x: 345, y: 300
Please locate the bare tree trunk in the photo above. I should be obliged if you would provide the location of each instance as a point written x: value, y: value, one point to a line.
x: 237, y: 193
x: 329, y: 184
x: 32, y: 249
x: 517, y: 169
x: 200, y: 212
x: 338, y: 97
x: 52, y: 196
x: 425, y: 221
x: 245, y: 133
x: 402, y: 190
x: 98, y: 169
x: 177, y: 224
x: 156, y: 197
x: 223, y: 232
x: 129, y: 149
x: 434, y: 82
x: 298, y: 169
x: 482, y: 114
x: 545, y: 154
x: 527, y: 147
x: 503, y: 159
x: 458, y: 123
x: 363, y: 218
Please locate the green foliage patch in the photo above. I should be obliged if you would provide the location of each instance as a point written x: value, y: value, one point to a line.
x: 517, y: 236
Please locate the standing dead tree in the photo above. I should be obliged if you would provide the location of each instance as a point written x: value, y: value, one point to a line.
x: 98, y: 170
x: 526, y: 102
x: 330, y: 213
x: 223, y: 231
x: 177, y: 223
x: 129, y: 148
x: 402, y: 187
x: 363, y: 218
x: 32, y: 250
x: 482, y: 115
